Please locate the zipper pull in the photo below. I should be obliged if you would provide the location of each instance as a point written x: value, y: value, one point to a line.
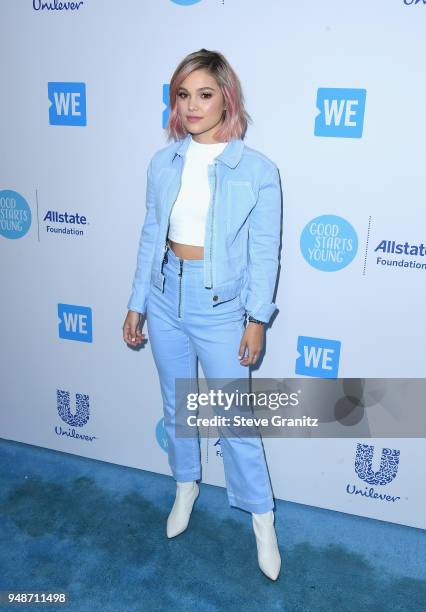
x: 180, y: 266
x: 165, y: 257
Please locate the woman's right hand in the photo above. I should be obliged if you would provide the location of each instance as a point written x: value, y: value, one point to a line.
x: 132, y: 328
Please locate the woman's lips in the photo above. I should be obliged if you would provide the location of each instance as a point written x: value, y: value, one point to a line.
x: 194, y: 119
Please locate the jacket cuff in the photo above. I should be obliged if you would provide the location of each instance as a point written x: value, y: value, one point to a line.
x: 261, y: 311
x: 136, y: 305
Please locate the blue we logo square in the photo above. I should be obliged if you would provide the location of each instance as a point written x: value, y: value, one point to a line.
x: 318, y: 357
x: 75, y: 322
x: 67, y: 103
x: 166, y: 102
x: 341, y: 112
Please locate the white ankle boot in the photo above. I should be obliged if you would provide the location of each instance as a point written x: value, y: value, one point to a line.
x: 186, y: 494
x: 268, y: 555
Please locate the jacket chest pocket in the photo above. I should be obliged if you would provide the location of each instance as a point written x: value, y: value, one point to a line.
x: 239, y: 202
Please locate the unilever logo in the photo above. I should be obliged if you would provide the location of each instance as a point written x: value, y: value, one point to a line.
x: 160, y: 434
x: 328, y: 243
x: 15, y: 214
x: 56, y: 5
x: 81, y: 415
x: 76, y: 418
x: 386, y: 473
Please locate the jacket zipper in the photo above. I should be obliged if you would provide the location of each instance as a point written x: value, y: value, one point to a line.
x: 211, y: 232
x: 170, y: 213
x: 180, y: 284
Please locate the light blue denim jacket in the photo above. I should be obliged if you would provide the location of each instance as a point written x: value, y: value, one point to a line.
x: 243, y: 226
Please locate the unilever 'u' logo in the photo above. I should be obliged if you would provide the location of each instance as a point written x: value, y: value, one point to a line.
x: 81, y: 415
x: 328, y: 243
x: 388, y: 464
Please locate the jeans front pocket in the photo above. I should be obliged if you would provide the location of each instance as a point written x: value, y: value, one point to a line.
x: 226, y: 310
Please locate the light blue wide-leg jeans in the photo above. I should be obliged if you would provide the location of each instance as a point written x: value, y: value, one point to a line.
x: 183, y: 326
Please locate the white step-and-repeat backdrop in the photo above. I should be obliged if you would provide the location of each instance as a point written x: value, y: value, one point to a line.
x: 336, y: 92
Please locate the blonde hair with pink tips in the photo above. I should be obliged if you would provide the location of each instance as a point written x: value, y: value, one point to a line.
x: 235, y: 117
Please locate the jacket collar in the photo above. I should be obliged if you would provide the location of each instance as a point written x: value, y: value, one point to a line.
x: 231, y: 154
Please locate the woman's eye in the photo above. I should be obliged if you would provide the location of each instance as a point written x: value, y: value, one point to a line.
x: 183, y: 95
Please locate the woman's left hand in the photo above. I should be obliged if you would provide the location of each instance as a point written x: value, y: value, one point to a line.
x: 252, y: 340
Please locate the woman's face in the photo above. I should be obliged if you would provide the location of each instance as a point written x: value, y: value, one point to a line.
x: 200, y: 96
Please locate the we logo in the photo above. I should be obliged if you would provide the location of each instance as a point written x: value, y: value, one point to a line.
x: 166, y: 102
x: 318, y: 357
x: 75, y: 322
x: 341, y: 112
x: 67, y: 103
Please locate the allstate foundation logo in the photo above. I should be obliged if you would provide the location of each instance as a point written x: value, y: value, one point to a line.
x: 328, y: 243
x: 65, y: 223
x: 15, y: 214
x: 401, y: 254
x: 218, y: 448
x: 77, y: 416
x: 386, y: 473
x: 186, y: 2
x: 217, y: 452
x: 160, y: 434
x: 341, y: 112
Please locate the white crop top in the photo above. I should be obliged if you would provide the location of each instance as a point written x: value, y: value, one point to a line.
x: 188, y: 216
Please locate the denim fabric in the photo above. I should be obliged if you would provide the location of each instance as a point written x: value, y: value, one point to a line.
x: 242, y: 232
x: 183, y: 326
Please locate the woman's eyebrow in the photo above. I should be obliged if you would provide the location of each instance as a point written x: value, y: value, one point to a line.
x: 198, y: 88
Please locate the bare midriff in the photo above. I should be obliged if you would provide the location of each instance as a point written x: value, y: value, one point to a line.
x: 186, y: 251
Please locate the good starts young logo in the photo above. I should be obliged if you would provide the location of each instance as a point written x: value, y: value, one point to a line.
x: 15, y: 214
x: 329, y: 243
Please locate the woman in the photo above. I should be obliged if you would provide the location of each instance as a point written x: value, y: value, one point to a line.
x: 208, y: 256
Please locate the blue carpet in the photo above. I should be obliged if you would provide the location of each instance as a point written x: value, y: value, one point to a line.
x: 97, y: 531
